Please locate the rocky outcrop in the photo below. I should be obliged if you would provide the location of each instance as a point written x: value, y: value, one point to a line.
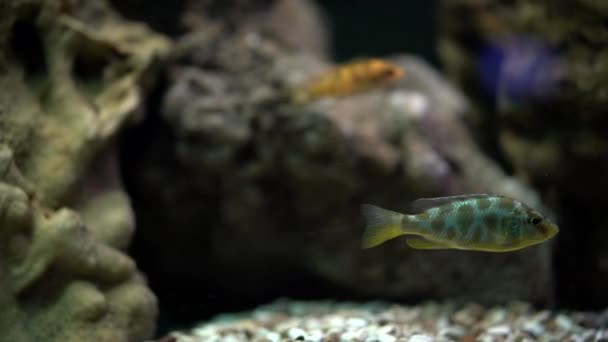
x: 71, y: 75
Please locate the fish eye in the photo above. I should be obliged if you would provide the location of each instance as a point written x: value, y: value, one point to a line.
x: 534, y: 220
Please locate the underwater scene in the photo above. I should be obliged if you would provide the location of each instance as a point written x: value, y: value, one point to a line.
x: 303, y: 170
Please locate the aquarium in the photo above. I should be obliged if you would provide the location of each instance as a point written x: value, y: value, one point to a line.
x: 303, y: 170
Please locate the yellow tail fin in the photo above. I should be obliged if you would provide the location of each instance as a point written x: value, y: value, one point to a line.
x: 381, y: 225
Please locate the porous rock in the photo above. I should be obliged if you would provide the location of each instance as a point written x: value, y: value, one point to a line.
x: 70, y: 77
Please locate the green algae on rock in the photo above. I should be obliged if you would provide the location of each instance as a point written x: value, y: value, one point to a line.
x: 67, y: 87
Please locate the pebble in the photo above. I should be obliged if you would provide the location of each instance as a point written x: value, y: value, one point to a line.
x: 350, y: 336
x: 204, y: 332
x: 336, y: 321
x: 420, y: 338
x: 452, y: 332
x: 356, y: 322
x: 563, y: 322
x: 499, y: 330
x: 273, y: 336
x: 486, y: 338
x: 602, y: 335
x: 542, y: 316
x: 468, y: 315
x: 587, y: 335
x: 341, y: 322
x: 386, y: 338
x: 533, y: 327
x: 387, y: 329
x: 495, y: 316
x: 315, y: 336
x: 526, y: 339
x: 297, y: 334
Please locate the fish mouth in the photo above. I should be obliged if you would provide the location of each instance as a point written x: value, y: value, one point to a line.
x: 553, y: 230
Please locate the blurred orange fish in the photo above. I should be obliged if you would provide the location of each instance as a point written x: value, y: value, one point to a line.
x: 350, y: 78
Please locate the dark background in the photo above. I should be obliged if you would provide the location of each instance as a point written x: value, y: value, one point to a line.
x: 358, y: 27
x: 390, y: 26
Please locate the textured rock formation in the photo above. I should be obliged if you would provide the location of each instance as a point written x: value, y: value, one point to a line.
x: 549, y: 120
x: 243, y: 194
x: 67, y: 87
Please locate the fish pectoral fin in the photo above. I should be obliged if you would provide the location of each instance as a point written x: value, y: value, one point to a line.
x: 419, y: 242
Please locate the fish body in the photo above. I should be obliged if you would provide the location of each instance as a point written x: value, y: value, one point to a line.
x: 348, y: 79
x: 470, y: 222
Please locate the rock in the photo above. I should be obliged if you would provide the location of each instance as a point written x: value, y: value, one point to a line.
x: 69, y: 81
x: 547, y: 86
x: 268, y: 189
x: 308, y: 24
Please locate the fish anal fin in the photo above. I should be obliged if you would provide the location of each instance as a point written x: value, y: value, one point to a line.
x: 423, y: 204
x: 419, y: 242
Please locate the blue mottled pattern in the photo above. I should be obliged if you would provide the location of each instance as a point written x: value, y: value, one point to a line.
x: 483, y: 221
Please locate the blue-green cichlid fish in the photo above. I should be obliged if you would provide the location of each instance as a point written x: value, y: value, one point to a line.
x: 469, y: 222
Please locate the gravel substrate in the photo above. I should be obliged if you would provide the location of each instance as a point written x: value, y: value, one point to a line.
x: 381, y: 322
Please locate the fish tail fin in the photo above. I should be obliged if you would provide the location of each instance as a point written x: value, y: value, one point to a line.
x: 381, y: 225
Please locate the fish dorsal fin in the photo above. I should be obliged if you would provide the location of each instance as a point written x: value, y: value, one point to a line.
x: 423, y: 204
